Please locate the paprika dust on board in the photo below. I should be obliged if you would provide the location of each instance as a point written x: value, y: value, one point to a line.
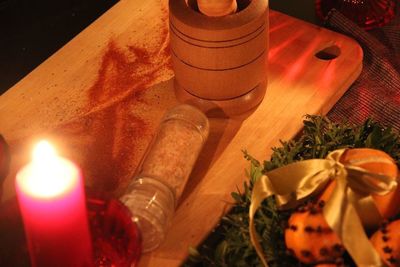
x: 110, y: 133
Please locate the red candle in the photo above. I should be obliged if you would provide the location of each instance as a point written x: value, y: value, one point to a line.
x: 52, y: 203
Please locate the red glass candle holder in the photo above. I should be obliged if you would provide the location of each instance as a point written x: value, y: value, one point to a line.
x: 368, y: 14
x: 116, y: 239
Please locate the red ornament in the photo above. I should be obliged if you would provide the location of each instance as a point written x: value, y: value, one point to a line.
x: 4, y: 161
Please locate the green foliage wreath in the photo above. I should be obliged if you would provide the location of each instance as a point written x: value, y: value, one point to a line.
x: 231, y: 245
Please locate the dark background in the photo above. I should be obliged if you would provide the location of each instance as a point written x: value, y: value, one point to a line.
x: 32, y: 30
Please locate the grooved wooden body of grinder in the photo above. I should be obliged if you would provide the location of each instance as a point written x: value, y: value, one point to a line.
x: 220, y: 63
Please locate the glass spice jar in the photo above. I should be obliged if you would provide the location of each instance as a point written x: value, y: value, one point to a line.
x: 153, y: 194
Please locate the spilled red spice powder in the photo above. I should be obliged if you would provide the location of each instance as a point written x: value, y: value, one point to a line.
x: 110, y: 136
x: 118, y: 75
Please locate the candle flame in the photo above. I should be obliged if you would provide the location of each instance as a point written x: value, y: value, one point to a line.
x: 44, y: 151
x: 48, y: 175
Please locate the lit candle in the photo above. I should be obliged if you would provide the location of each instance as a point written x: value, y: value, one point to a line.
x: 52, y: 203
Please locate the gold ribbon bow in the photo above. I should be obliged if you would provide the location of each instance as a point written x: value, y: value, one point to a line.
x: 350, y: 199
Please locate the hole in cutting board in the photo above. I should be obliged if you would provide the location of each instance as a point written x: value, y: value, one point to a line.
x: 328, y: 53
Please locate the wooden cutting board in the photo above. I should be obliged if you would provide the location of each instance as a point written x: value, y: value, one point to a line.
x: 100, y: 98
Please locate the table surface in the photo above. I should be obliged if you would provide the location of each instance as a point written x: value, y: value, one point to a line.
x: 33, y: 30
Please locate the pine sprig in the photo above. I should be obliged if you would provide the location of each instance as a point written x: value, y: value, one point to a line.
x: 319, y: 137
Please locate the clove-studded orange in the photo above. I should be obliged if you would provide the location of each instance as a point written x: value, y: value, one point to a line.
x: 387, y: 242
x: 377, y: 161
x: 310, y: 239
x: 308, y: 235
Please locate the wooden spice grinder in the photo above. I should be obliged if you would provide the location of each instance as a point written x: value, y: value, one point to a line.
x: 220, y: 62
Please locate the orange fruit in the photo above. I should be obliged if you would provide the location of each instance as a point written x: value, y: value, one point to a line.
x: 387, y: 242
x: 308, y: 235
x: 366, y: 158
x: 310, y: 239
